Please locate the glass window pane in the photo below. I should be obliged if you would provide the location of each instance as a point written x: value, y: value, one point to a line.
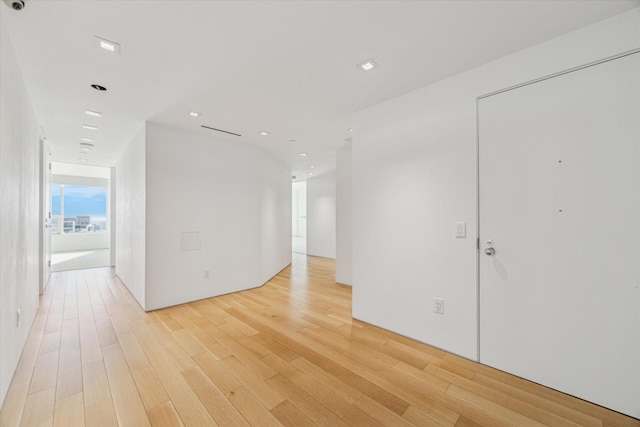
x: 85, y: 209
x: 55, y: 199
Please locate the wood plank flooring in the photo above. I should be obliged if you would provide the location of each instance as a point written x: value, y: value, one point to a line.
x: 287, y: 353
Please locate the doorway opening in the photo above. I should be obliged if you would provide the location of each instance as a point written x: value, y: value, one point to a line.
x: 80, y: 217
x: 299, y: 217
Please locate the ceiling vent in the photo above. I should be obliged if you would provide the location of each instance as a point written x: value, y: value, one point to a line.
x: 220, y: 130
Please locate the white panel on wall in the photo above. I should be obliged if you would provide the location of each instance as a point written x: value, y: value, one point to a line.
x: 321, y: 216
x: 243, y: 220
x: 190, y: 241
x: 19, y: 213
x: 414, y: 177
x: 343, y: 215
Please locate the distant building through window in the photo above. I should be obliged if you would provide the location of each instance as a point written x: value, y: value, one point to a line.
x: 78, y: 208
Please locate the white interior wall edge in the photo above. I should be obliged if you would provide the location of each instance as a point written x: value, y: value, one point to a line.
x: 112, y: 216
x: 130, y: 217
x: 414, y: 176
x: 321, y: 216
x: 19, y: 213
x: 238, y: 224
x: 343, y: 215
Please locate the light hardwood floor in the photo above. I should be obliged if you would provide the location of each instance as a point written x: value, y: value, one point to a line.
x: 287, y: 353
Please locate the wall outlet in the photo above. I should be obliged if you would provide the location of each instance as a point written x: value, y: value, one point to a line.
x: 207, y: 274
x: 18, y: 318
x: 438, y: 305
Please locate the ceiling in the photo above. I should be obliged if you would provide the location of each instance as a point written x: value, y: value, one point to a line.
x: 285, y: 67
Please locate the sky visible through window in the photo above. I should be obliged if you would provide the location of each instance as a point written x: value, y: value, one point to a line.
x: 80, y: 200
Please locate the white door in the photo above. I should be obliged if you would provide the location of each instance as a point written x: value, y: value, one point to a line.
x: 45, y: 216
x: 559, y: 199
x: 300, y: 209
x: 299, y: 217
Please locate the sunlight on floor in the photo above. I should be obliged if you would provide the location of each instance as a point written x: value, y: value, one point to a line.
x: 57, y: 258
x: 299, y: 244
x: 77, y: 260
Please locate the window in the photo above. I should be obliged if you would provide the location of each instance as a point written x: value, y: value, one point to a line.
x: 78, y: 208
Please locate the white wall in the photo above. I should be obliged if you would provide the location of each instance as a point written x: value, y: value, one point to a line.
x: 19, y: 212
x: 344, y: 215
x: 414, y: 176
x: 130, y: 217
x: 234, y: 195
x: 321, y: 216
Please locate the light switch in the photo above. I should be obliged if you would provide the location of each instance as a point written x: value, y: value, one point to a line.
x: 461, y: 230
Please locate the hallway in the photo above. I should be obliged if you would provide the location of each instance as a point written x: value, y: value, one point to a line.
x: 286, y: 353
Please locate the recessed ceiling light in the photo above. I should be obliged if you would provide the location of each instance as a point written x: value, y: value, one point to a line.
x: 107, y: 45
x: 93, y: 113
x: 89, y: 127
x: 312, y: 166
x: 303, y: 154
x: 310, y: 173
x: 194, y: 114
x: 263, y: 133
x: 86, y: 139
x: 368, y: 65
x: 98, y: 87
x: 293, y: 141
x: 350, y: 129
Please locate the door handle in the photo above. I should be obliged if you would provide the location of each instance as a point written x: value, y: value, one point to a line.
x: 489, y: 251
